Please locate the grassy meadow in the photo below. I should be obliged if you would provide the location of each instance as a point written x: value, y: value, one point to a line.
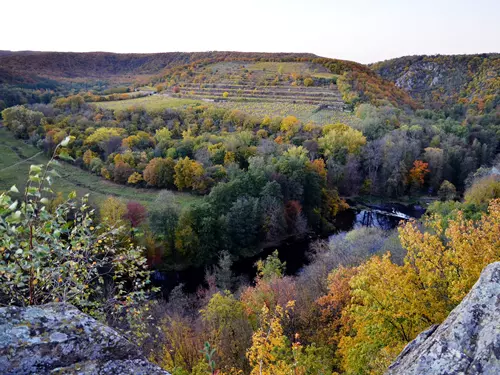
x: 151, y: 103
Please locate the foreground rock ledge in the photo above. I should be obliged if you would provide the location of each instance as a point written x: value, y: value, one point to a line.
x: 467, y: 342
x: 59, y: 339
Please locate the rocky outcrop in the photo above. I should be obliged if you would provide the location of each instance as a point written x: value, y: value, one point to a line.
x: 467, y: 342
x: 59, y: 339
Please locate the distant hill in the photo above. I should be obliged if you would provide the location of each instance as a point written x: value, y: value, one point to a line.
x: 468, y: 81
x: 356, y: 82
x: 66, y: 66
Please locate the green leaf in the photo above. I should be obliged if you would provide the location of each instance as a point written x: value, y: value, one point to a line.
x: 35, y: 168
x: 53, y: 173
x: 65, y: 141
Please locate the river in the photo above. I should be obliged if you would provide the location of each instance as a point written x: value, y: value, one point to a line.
x: 294, y: 250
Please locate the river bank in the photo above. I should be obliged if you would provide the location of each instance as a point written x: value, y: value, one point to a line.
x: 294, y: 249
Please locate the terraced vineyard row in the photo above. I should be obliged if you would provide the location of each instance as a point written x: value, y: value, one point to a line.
x: 321, y: 96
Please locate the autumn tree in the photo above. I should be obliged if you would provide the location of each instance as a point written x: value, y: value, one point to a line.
x: 334, y: 320
x: 122, y: 172
x: 228, y: 330
x: 270, y: 353
x: 340, y: 140
x: 88, y: 156
x: 308, y: 82
x: 139, y: 141
x: 135, y: 179
x: 159, y: 172
x: 136, y: 214
x: 290, y: 125
x: 440, y: 268
x: 416, y: 176
x: 102, y: 135
x: 113, y: 211
x: 189, y: 174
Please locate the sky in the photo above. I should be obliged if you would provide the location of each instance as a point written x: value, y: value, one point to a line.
x: 359, y: 30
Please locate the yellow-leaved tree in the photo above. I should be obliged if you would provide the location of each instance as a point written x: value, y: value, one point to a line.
x: 270, y: 353
x: 392, y: 304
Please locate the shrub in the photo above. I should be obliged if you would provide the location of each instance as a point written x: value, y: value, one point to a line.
x: 61, y: 255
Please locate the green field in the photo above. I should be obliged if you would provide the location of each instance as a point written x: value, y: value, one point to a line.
x: 151, y: 103
x: 72, y: 178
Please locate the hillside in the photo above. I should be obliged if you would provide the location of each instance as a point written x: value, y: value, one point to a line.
x: 472, y: 81
x: 301, y: 80
x: 228, y: 71
x: 64, y: 66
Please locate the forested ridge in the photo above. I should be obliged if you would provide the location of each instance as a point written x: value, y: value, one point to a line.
x: 182, y: 123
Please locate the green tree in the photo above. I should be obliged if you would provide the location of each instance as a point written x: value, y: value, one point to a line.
x: 186, y: 240
x: 271, y: 267
x: 243, y: 223
x: 163, y: 218
x: 22, y: 121
x: 483, y: 190
x: 447, y: 191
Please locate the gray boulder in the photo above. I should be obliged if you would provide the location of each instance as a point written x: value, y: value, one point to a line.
x: 59, y: 339
x: 467, y: 342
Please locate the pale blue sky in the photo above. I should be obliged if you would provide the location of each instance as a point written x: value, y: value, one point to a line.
x: 364, y: 31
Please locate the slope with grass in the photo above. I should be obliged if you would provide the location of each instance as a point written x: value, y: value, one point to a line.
x: 17, y: 156
x: 305, y: 112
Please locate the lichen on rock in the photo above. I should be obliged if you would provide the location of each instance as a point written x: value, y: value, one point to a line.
x: 59, y: 339
x: 467, y: 342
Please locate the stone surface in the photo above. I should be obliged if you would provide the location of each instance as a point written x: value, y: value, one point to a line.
x: 60, y: 339
x: 467, y: 342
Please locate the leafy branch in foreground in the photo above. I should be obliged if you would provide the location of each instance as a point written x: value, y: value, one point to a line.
x: 59, y: 254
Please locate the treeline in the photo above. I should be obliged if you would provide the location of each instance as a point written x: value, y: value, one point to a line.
x: 377, y: 156
x: 45, y: 91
